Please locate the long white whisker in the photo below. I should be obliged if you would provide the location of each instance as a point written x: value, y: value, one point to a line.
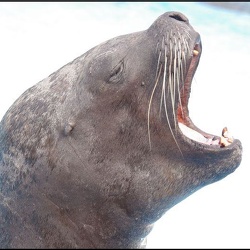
x: 156, y: 47
x: 158, y: 62
x: 186, y: 46
x: 187, y: 33
x: 149, y: 105
x: 165, y: 108
x: 163, y: 46
x: 164, y: 96
x: 174, y: 83
x: 164, y: 78
x: 180, y: 77
x: 169, y: 70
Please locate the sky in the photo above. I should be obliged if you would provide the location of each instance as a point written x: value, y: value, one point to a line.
x: 38, y: 38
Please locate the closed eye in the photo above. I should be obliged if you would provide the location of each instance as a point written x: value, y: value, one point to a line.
x: 116, y: 73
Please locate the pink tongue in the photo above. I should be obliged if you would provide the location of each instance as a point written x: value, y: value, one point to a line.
x: 196, y: 136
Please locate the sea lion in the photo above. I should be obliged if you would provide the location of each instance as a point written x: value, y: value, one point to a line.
x: 94, y: 154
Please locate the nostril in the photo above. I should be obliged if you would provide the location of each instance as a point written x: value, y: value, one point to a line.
x: 178, y: 16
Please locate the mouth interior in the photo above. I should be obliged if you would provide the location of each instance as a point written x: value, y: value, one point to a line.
x: 185, y: 123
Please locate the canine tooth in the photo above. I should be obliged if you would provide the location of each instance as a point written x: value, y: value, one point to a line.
x: 224, y: 132
x: 227, y: 135
x: 195, y: 52
x: 224, y: 142
x: 225, y: 139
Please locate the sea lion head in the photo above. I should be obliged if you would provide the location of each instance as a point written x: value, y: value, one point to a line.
x: 100, y: 147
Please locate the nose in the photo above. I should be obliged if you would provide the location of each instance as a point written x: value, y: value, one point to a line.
x: 178, y: 16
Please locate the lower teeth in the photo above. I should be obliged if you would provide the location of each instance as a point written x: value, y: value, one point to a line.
x: 225, y: 139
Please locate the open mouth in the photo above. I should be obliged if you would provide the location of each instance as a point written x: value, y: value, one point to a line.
x: 186, y: 125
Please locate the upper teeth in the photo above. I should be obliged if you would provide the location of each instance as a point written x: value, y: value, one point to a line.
x: 195, y: 52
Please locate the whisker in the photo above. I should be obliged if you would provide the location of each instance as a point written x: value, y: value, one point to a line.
x: 163, y: 46
x: 149, y: 105
x: 158, y: 62
x: 165, y: 101
x: 186, y: 33
x: 186, y: 45
x: 169, y: 70
x: 171, y: 85
x: 184, y: 60
x: 179, y: 81
x: 174, y: 83
x: 180, y: 76
x: 156, y: 46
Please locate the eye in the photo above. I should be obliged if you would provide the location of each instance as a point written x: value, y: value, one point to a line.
x: 116, y: 73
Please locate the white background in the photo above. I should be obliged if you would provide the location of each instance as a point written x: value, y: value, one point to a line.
x: 36, y: 39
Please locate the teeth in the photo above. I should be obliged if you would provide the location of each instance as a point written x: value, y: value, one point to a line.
x: 195, y: 52
x: 225, y: 139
